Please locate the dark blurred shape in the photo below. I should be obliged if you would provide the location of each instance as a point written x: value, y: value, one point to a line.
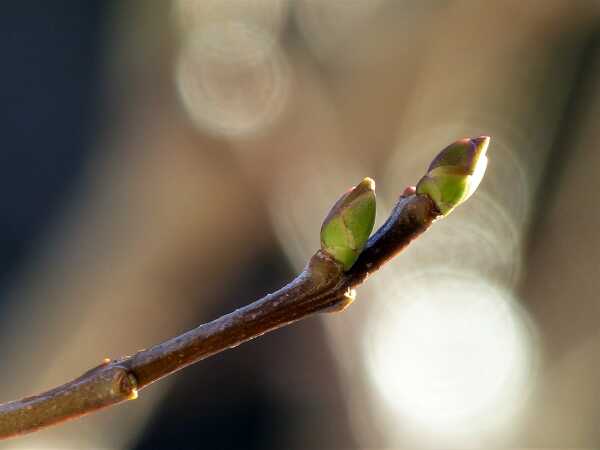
x: 51, y: 60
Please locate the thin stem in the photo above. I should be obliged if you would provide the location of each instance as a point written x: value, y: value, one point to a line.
x: 321, y: 287
x: 305, y: 295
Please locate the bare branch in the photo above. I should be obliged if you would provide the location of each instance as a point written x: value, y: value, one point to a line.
x: 322, y: 286
x: 325, y: 285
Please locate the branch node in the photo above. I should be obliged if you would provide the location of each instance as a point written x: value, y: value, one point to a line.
x: 129, y: 386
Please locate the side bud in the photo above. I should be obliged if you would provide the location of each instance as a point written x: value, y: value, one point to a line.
x: 348, y: 225
x: 455, y: 173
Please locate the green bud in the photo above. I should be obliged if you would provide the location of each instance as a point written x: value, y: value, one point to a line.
x: 348, y: 225
x: 455, y: 173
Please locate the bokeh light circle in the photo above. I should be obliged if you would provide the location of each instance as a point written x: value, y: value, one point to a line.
x: 450, y: 353
x: 233, y: 79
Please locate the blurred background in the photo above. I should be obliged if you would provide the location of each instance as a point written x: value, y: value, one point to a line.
x: 164, y: 162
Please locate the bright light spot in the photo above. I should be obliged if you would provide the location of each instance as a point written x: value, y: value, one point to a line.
x: 450, y: 354
x: 232, y: 79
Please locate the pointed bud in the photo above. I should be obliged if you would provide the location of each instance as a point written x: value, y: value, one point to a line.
x: 455, y: 173
x: 348, y: 225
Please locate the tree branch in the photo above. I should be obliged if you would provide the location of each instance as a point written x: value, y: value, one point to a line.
x: 323, y: 286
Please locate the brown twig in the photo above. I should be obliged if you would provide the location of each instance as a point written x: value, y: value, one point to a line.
x: 321, y: 287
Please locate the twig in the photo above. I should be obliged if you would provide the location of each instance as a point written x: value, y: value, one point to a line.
x: 323, y: 286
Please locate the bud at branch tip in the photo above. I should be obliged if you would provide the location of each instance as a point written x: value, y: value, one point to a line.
x: 455, y: 173
x: 348, y: 225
